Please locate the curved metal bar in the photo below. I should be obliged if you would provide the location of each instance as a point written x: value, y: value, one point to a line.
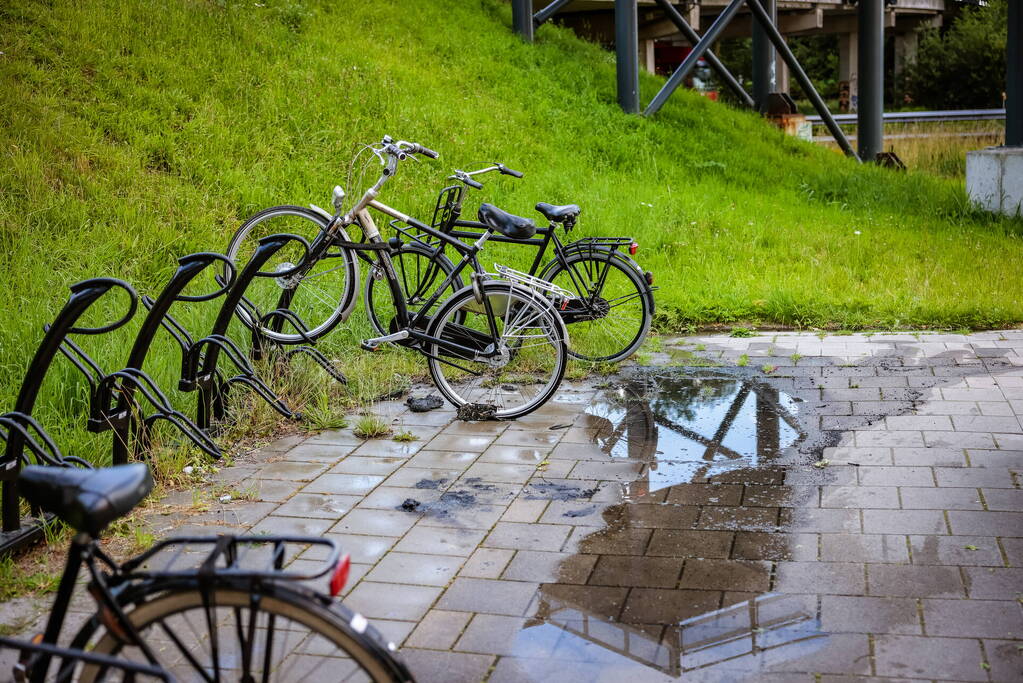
x: 320, y: 360
x: 266, y: 393
x: 188, y: 428
x: 106, y: 283
x: 287, y: 315
x: 47, y: 452
x: 210, y: 402
x: 86, y: 365
x: 83, y: 295
x: 188, y: 268
x: 169, y: 323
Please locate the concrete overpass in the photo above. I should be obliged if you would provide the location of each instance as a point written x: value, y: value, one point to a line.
x: 904, y: 19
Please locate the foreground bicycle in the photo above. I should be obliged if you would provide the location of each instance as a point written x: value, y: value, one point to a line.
x: 192, y: 608
x: 610, y: 309
x: 498, y: 345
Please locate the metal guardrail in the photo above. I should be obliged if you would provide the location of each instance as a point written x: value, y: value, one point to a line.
x: 924, y: 116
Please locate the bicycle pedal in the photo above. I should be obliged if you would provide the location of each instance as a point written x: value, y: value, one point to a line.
x: 365, y: 345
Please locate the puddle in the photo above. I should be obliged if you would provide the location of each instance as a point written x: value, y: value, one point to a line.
x: 682, y: 579
x: 690, y: 428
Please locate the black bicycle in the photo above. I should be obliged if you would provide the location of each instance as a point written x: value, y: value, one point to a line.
x: 610, y: 308
x: 190, y: 608
x: 498, y: 344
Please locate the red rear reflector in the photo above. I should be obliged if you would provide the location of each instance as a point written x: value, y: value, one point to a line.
x: 633, y: 248
x: 340, y: 577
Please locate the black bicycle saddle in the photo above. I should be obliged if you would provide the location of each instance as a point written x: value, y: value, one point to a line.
x: 88, y: 500
x: 508, y: 224
x: 566, y: 213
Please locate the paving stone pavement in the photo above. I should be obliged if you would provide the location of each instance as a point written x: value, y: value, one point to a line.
x: 864, y: 523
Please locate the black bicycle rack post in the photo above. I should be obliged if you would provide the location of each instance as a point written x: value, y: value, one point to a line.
x: 200, y: 371
x: 21, y: 430
x: 55, y: 339
x: 134, y: 434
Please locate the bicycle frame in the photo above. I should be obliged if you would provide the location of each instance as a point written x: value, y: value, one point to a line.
x: 83, y: 552
x: 411, y: 322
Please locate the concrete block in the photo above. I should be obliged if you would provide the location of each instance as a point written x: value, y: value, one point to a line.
x: 994, y: 179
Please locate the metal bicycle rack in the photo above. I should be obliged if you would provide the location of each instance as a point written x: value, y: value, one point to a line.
x: 117, y: 400
x: 200, y: 358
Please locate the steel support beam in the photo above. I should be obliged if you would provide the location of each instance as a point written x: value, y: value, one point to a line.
x: 1014, y: 77
x: 764, y: 71
x: 870, y: 105
x: 693, y: 37
x: 701, y: 47
x: 804, y: 81
x: 548, y: 11
x: 627, y: 54
x: 522, y: 18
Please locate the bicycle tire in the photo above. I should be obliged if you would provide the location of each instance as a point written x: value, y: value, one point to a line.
x: 312, y: 635
x: 589, y: 340
x: 321, y: 305
x: 418, y: 270
x: 462, y: 315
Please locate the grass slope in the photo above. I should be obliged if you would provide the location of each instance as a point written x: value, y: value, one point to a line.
x: 138, y: 131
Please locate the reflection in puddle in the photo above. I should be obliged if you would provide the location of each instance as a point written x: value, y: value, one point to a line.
x: 641, y: 618
x: 741, y: 638
x: 690, y: 428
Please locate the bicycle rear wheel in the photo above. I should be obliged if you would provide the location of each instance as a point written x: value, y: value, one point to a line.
x: 531, y: 350
x: 272, y: 634
x: 611, y: 314
x: 322, y: 296
x: 420, y: 273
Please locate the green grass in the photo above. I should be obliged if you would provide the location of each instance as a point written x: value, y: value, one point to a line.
x: 371, y: 426
x: 135, y: 132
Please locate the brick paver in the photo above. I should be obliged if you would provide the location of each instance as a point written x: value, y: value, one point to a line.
x: 570, y: 546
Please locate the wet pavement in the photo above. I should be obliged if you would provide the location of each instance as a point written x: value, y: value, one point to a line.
x: 843, y: 508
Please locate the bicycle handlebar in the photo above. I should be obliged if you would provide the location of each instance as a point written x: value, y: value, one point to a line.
x: 504, y: 170
x: 416, y: 148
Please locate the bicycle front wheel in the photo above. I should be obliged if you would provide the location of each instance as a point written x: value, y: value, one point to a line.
x: 611, y: 313
x: 321, y: 297
x: 512, y: 374
x: 271, y: 635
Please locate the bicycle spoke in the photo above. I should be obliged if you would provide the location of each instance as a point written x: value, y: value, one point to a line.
x: 185, y: 651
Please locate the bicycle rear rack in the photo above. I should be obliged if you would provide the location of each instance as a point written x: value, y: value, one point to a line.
x: 241, y: 557
x: 592, y: 244
x: 559, y: 295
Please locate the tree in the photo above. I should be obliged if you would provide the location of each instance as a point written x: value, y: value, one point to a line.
x: 962, y: 66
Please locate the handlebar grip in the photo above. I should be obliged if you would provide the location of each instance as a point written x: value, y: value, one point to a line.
x: 510, y: 171
x: 425, y: 151
x: 472, y: 183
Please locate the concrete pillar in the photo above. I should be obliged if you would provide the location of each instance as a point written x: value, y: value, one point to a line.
x: 906, y: 45
x: 647, y: 60
x: 848, y: 58
x: 870, y: 108
x: 781, y: 76
x: 692, y: 16
x: 994, y: 179
x: 764, y: 58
